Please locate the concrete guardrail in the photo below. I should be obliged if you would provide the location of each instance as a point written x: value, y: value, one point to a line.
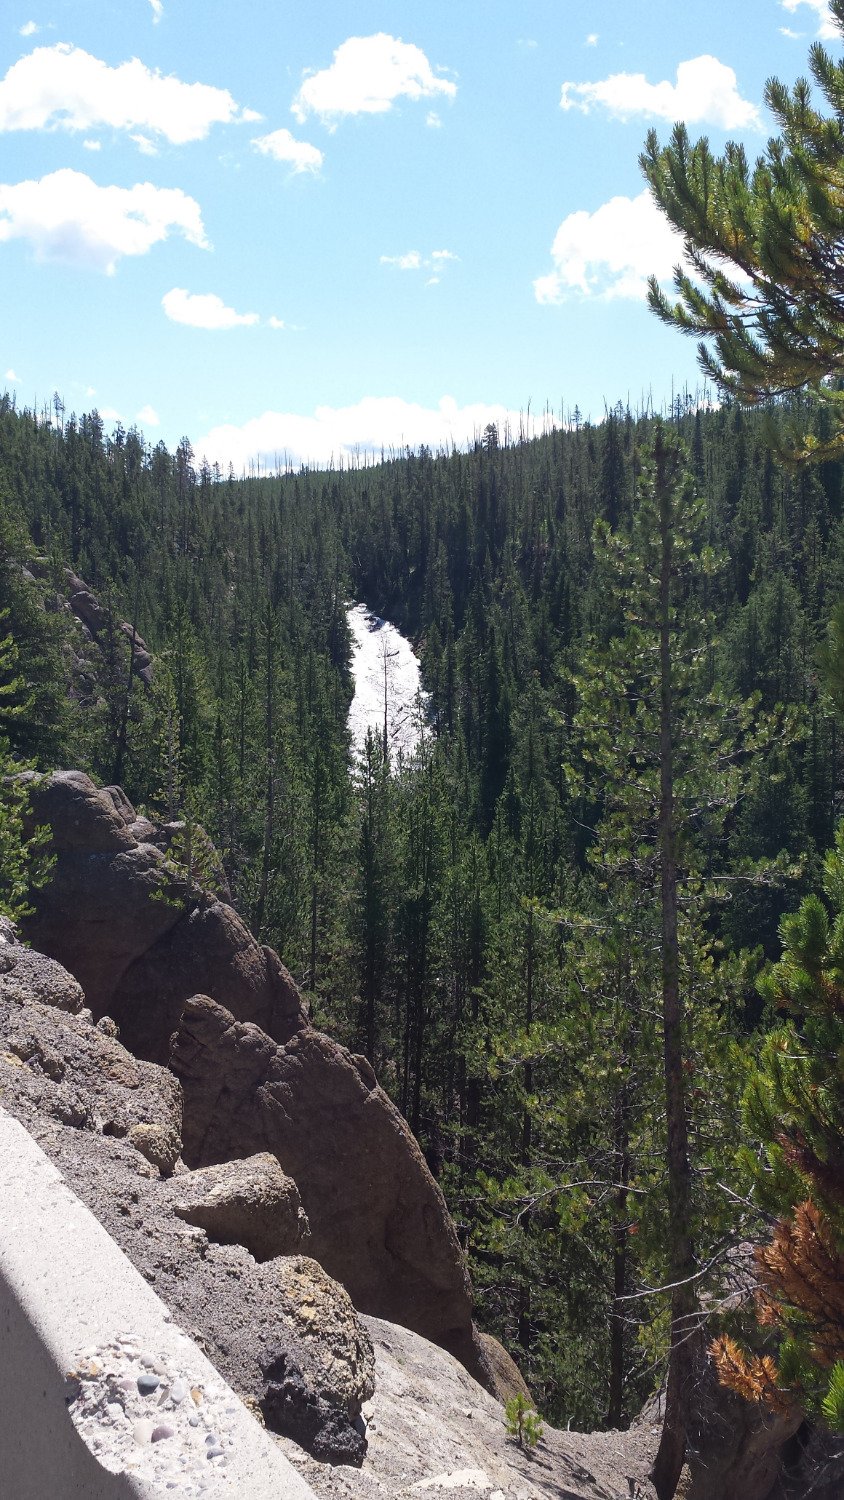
x: 101, y: 1395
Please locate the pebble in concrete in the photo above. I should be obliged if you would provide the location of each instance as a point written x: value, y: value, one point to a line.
x: 110, y: 1408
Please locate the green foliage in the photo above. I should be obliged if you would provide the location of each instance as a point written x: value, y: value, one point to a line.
x: 795, y: 1106
x: 763, y: 246
x: 24, y: 865
x: 522, y: 1422
x: 454, y: 915
x: 832, y: 1404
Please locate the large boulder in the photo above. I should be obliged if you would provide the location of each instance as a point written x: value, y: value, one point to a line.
x: 251, y: 1203
x: 103, y: 905
x: 379, y: 1223
x: 138, y: 942
x: 319, y: 1395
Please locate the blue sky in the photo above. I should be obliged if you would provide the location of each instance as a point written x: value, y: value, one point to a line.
x: 293, y: 231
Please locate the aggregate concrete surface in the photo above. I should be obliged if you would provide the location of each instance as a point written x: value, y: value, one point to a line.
x: 99, y: 1385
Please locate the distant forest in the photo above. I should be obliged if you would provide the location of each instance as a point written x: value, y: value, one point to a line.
x: 480, y: 920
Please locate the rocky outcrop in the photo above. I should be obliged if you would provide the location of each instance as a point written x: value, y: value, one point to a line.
x: 115, y: 916
x: 432, y: 1433
x: 103, y: 906
x: 251, y: 1203
x: 257, y: 1077
x: 94, y: 618
x: 285, y: 1335
x: 26, y: 976
x: 58, y: 1064
x: 507, y: 1378
x: 209, y: 950
x: 378, y: 1221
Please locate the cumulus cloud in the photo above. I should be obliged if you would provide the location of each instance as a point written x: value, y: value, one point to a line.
x: 367, y: 76
x: 148, y: 417
x: 157, y: 11
x: 282, y: 145
x: 592, y: 39
x: 375, y: 423
x: 827, y: 28
x: 204, y: 310
x: 611, y: 252
x: 64, y: 87
x: 706, y: 91
x: 10, y: 375
x: 274, y: 322
x: 28, y: 28
x: 66, y: 216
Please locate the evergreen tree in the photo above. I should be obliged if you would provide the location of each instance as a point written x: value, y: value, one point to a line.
x: 764, y: 289
x: 795, y: 1105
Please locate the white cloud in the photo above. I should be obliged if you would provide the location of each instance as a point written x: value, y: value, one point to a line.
x: 592, y: 39
x: 827, y: 28
x: 611, y: 252
x: 157, y: 11
x: 28, y: 28
x: 148, y: 417
x: 64, y: 87
x: 145, y: 145
x: 10, y: 375
x: 66, y: 216
x: 414, y: 260
x: 274, y: 322
x: 706, y: 91
x: 204, y: 310
x: 367, y: 76
x: 527, y: 44
x: 433, y: 120
x: 282, y: 145
x: 93, y: 145
x: 793, y: 36
x: 373, y: 424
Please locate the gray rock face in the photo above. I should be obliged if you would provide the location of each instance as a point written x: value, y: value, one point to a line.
x: 26, y: 975
x: 61, y: 1066
x: 379, y: 1223
x: 432, y: 1433
x: 251, y: 1203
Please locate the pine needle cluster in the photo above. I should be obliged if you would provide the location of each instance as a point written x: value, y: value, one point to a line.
x: 762, y: 284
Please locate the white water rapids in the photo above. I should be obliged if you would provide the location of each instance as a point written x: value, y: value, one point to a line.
x: 384, y: 665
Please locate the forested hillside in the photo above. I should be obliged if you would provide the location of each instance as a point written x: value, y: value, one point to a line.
x: 483, y: 921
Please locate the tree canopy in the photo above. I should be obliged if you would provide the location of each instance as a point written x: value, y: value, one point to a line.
x: 763, y: 283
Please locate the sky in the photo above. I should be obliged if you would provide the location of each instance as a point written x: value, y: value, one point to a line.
x: 300, y: 233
